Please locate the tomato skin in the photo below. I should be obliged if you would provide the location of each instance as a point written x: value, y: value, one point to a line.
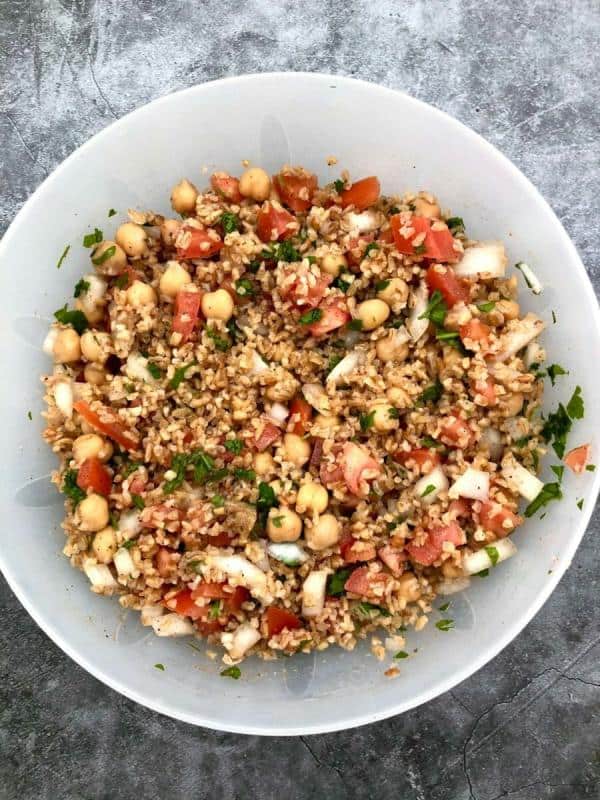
x: 186, y: 313
x: 335, y: 314
x: 357, y: 246
x: 303, y: 410
x: 455, y: 431
x: 113, y: 427
x: 232, y: 598
x: 364, y: 583
x: 445, y: 281
x: 476, y: 331
x: 272, y: 219
x: 356, y: 461
x: 386, y: 237
x: 393, y: 558
x: 354, y: 550
x: 577, y: 458
x: 493, y: 515
x: 204, y: 243
x: 429, y: 552
x: 423, y: 458
x: 437, y: 244
x: 295, y: 191
x: 183, y: 603
x: 267, y: 436
x: 93, y: 475
x: 279, y: 618
x: 362, y: 193
x: 226, y: 186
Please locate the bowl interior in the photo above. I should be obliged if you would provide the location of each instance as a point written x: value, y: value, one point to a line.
x: 271, y: 120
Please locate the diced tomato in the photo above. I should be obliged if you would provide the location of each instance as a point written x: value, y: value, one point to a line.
x: 330, y: 473
x: 359, y: 467
x: 357, y: 246
x: 476, y: 331
x: 317, y: 454
x: 232, y: 597
x: 226, y: 186
x: 577, y: 458
x: 433, y: 547
x: 362, y: 194
x: 366, y: 583
x: 437, y: 244
x: 295, y: 191
x: 166, y: 561
x: 334, y: 314
x: 138, y: 482
x: 186, y: 313
x: 208, y: 626
x: 386, y: 237
x: 93, y: 475
x: 278, y: 619
x: 445, y: 281
x: 274, y: 223
x: 220, y: 539
x: 422, y: 457
x: 107, y: 422
x: 355, y: 550
x: 456, y: 432
x: 266, y: 436
x: 393, y: 558
x: 487, y: 391
x: 183, y: 603
x: 305, y: 290
x: 302, y: 412
x: 204, y: 243
x: 459, y: 508
x: 496, y: 518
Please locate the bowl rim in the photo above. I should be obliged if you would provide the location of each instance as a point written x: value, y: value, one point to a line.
x: 513, y: 628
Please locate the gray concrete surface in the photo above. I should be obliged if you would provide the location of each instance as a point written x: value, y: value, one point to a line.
x: 525, y: 75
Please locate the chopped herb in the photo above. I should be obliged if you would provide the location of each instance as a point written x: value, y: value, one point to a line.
x: 76, y: 319
x: 554, y: 370
x: 122, y: 281
x: 355, y: 325
x: 161, y: 667
x: 336, y: 582
x: 104, y: 256
x: 214, y: 609
x: 428, y: 441
x: 234, y: 446
x: 311, y: 259
x: 559, y: 471
x: 446, y: 336
x: 444, y: 624
x: 29, y: 416
x: 154, y: 370
x: 113, y: 520
x: 80, y: 287
x: 70, y: 487
x: 393, y: 413
x: 575, y: 405
x: 445, y: 607
x: 521, y: 442
x: 230, y: 222
x: 401, y: 654
x: 436, y: 309
x: 370, y: 247
x: 195, y: 565
x: 231, y: 672
x: 90, y: 239
x: 420, y: 249
x: 253, y: 267
x: 128, y: 543
x: 534, y: 366
x: 339, y: 185
x: 217, y: 500
x: 556, y: 428
x: 365, y: 609
x: 179, y: 375
x: 111, y: 212
x: 333, y: 362
x: 204, y: 471
x: 381, y: 286
x: 553, y: 317
x: 282, y: 251
x: 314, y: 315
x: 138, y: 502
x: 221, y: 343
x: 266, y: 497
x: 550, y: 491
x: 432, y: 393
x: 59, y: 263
x: 341, y: 283
x: 367, y: 421
x: 245, y: 288
x: 493, y: 554
x: 590, y: 468
x: 536, y: 459
x: 580, y: 504
x: 455, y: 223
x: 428, y: 490
x: 277, y: 521
x: 485, y: 308
x: 483, y: 574
x: 234, y: 331
x: 130, y: 467
x: 244, y: 474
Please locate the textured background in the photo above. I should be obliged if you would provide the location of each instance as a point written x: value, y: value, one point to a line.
x: 525, y: 75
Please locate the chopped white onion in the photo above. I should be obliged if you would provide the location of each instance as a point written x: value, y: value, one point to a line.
x: 485, y: 258
x: 534, y: 354
x: 150, y: 613
x: 240, y: 640
x: 526, y: 483
x: 172, y: 625
x: 531, y: 279
x: 394, y: 643
x: 364, y: 222
x: 316, y: 396
x: 453, y: 585
x: 245, y: 572
x: 258, y: 364
x: 289, y: 553
x: 278, y: 413
x: 480, y: 560
x: 313, y: 593
x: 473, y: 484
x: 518, y: 335
x: 63, y: 397
x: 347, y: 365
x: 99, y: 575
x: 435, y: 478
x: 124, y: 563
x: 492, y: 439
x: 416, y: 325
x: 48, y: 346
x: 136, y: 368
x: 130, y: 524
x: 95, y: 292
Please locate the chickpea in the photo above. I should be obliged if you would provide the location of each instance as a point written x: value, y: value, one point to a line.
x: 423, y: 208
x: 264, y: 464
x: 256, y: 184
x: 141, y: 294
x: 114, y: 264
x: 132, y: 238
x: 508, y: 308
x: 296, y: 449
x: 173, y: 279
x: 399, y: 397
x: 96, y: 346
x: 512, y: 404
x: 390, y: 349
x: 93, y: 313
x: 217, y: 305
x: 104, y: 545
x: 67, y: 346
x: 326, y: 422
x: 325, y: 532
x: 183, y: 197
x: 372, y: 314
x: 409, y: 587
x: 385, y: 416
x: 91, y: 445
x: 92, y: 513
x: 334, y: 263
x: 169, y: 230
x: 395, y: 293
x: 94, y: 374
x: 312, y: 497
x: 283, y: 525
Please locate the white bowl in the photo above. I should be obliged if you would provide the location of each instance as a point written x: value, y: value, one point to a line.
x: 272, y: 119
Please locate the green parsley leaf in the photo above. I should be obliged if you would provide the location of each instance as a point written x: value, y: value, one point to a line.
x: 202, y: 463
x: 245, y: 288
x: 419, y: 249
x: 553, y: 317
x: 365, y: 609
x: 483, y: 574
x: 266, y: 497
x: 366, y: 421
x: 231, y: 672
x: 234, y: 446
x: 154, y: 370
x: 432, y: 393
x: 253, y: 267
x: 521, y: 442
x: 575, y: 405
x: 90, y: 239
x: 70, y: 488
x: 370, y: 247
x: 381, y: 286
x: 485, y: 308
x: 29, y: 416
x: 580, y: 504
x: 444, y: 624
x: 277, y: 521
x: 104, y: 256
x: 393, y: 413
x: 80, y: 287
x: 455, y: 224
x: 122, y: 281
x: 138, y: 502
x: 428, y: 441
x: 550, y: 491
x: 230, y: 222
x: 113, y: 521
x: 401, y: 654
x: 590, y: 468
x: 556, y: 429
x: 64, y: 254
x: 436, y: 309
x: 244, y: 474
x: 76, y: 319
x: 282, y: 251
x: 336, y: 582
x: 446, y: 336
x: 234, y: 331
x: 355, y: 325
x: 128, y: 543
x: 161, y: 667
x: 130, y: 467
x: 554, y: 370
x: 493, y: 554
x: 221, y: 343
x: 342, y: 283
x: 217, y: 500
x: 428, y: 490
x: 214, y: 609
x: 339, y: 185
x: 314, y: 315
x: 393, y: 210
x: 179, y: 375
x: 111, y: 212
x: 445, y: 607
x: 559, y: 471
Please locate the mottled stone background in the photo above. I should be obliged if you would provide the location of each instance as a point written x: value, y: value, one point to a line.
x: 525, y: 75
